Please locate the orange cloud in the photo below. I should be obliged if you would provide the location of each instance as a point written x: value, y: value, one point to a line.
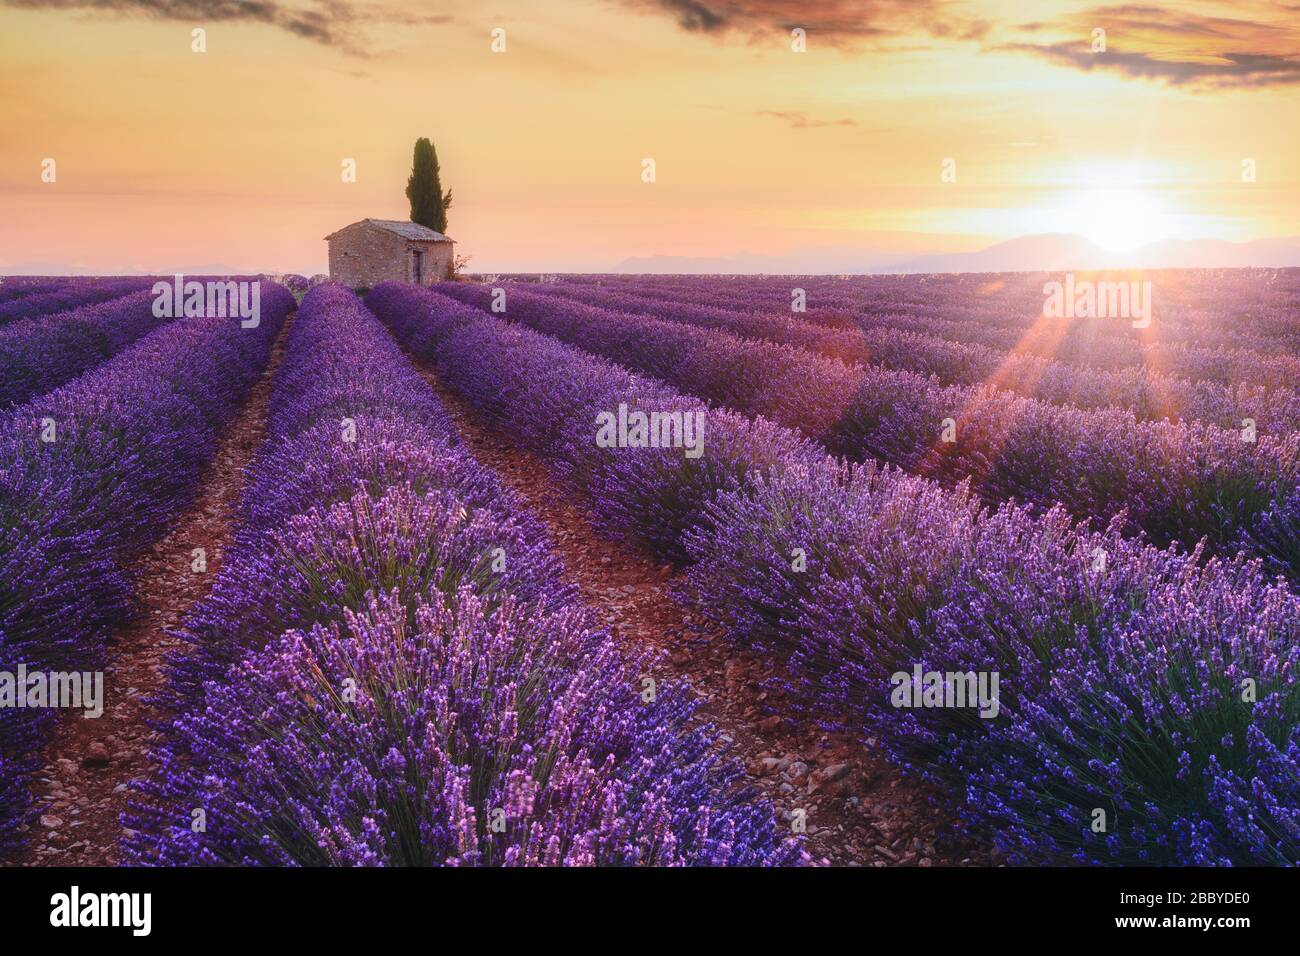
x: 841, y: 22
x: 1158, y: 42
x: 330, y: 22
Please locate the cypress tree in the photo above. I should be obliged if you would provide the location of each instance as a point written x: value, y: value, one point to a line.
x: 429, y: 204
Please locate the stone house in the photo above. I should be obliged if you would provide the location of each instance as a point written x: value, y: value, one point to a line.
x: 372, y: 251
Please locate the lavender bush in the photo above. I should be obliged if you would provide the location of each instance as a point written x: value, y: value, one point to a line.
x: 1176, y: 482
x: 67, y: 295
x: 40, y: 354
x: 18, y: 287
x: 367, y: 687
x: 128, y: 445
x: 1121, y: 666
x: 1119, y: 675
x: 1237, y: 309
x: 1231, y: 327
x: 1149, y: 395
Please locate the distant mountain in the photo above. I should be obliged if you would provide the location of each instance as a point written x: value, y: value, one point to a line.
x: 1054, y: 252
x: 1049, y: 252
x: 1213, y: 253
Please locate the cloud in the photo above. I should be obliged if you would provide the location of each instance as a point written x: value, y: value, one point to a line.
x: 1153, y: 42
x: 1164, y: 21
x: 1231, y: 70
x: 800, y: 120
x: 333, y: 23
x: 694, y: 16
x: 1149, y: 41
x: 836, y: 22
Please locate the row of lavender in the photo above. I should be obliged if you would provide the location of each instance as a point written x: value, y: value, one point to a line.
x: 1149, y: 702
x: 13, y: 287
x: 1149, y: 394
x: 19, y: 287
x: 89, y: 475
x: 1092, y: 345
x: 1243, y: 308
x: 930, y: 305
x: 1176, y: 482
x: 71, y: 294
x: 391, y: 670
x: 1228, y: 364
x: 42, y: 353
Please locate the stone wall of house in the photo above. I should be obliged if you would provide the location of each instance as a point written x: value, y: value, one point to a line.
x: 363, y: 256
x: 437, y: 260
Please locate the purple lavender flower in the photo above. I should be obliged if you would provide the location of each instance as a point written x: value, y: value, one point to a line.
x: 391, y: 669
x: 1114, y: 658
x: 89, y: 476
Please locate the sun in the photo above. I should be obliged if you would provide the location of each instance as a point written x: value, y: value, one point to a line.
x: 1118, y: 219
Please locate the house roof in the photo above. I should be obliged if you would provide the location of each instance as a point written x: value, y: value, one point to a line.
x: 407, y: 230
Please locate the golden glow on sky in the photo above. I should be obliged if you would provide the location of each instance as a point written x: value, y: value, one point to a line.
x: 230, y: 159
x: 1118, y: 219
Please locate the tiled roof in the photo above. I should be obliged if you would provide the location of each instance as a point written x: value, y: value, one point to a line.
x: 407, y: 230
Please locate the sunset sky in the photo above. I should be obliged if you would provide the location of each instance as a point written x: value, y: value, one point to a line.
x: 170, y: 160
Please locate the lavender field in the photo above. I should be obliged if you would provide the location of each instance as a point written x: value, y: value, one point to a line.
x: 651, y: 571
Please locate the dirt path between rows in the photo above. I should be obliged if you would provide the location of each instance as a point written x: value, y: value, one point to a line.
x: 859, y: 810
x: 90, y: 764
